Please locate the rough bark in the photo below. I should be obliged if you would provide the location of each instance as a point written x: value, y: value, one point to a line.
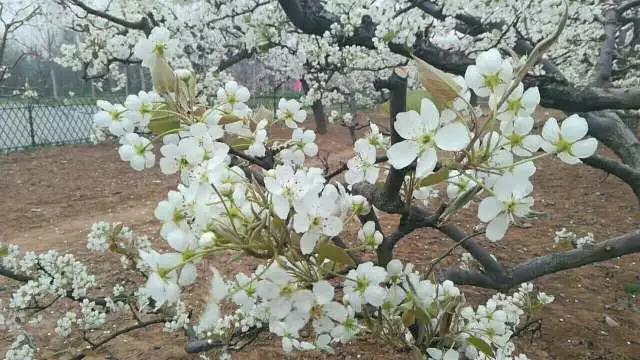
x: 143, y: 86
x: 610, y: 130
x: 54, y: 82
x: 397, y: 85
x: 549, y: 264
x: 319, y: 117
x: 604, y: 66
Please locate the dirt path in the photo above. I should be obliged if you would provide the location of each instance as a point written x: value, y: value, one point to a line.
x: 52, y: 196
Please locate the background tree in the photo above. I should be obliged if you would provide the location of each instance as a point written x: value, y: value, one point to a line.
x: 14, y: 16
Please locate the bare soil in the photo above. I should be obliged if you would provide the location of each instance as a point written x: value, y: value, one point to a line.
x: 50, y: 198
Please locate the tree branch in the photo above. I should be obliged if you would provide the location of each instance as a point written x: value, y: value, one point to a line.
x: 549, y: 264
x: 604, y: 65
x: 628, y: 6
x: 343, y: 168
x: 624, y: 172
x: 114, y: 335
x: 397, y: 85
x: 142, y: 24
x: 262, y: 163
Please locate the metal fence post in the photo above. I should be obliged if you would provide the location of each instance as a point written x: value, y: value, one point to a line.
x: 31, y: 130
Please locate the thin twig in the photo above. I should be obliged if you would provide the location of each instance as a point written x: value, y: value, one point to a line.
x: 262, y: 163
x: 118, y: 333
x: 448, y: 252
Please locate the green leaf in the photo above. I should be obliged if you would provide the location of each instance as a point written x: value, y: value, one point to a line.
x: 334, y: 253
x: 4, y: 251
x: 459, y: 202
x: 440, y: 87
x: 422, y: 316
x: 228, y: 119
x: 389, y: 36
x: 481, y: 345
x: 632, y: 289
x: 278, y: 224
x: 240, y: 144
x: 435, y: 178
x: 161, y: 121
x: 117, y: 229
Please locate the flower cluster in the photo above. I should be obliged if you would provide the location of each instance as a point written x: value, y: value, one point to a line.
x: 498, y: 158
x: 22, y: 348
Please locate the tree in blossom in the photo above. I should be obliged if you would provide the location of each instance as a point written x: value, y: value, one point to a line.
x: 244, y: 192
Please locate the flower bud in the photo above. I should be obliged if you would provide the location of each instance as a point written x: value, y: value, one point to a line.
x: 226, y: 189
x: 183, y: 74
x: 360, y: 205
x: 207, y: 239
x: 394, y: 267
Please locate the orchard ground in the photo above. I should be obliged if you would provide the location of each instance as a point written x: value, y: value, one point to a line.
x: 52, y: 196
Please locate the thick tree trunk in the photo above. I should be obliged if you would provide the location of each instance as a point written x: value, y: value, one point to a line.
x: 126, y: 83
x: 54, y: 82
x: 319, y: 117
x: 142, y: 84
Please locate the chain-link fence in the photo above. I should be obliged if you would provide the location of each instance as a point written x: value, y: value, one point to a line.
x: 28, y: 123
x: 25, y: 124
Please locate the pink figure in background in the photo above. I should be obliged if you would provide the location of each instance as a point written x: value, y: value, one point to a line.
x: 297, y: 85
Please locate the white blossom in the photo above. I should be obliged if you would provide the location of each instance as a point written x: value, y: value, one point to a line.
x: 565, y: 140
x: 423, y: 132
x: 138, y: 151
x: 291, y: 113
x: 510, y: 201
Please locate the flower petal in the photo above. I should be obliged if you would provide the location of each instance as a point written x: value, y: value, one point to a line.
x: 375, y: 295
x: 408, y: 125
x: 308, y: 242
x: 523, y: 125
x: 489, y: 62
x: 429, y: 114
x: 332, y: 226
x: 551, y: 130
x: 489, y: 208
x: 574, y: 128
x: 402, y: 154
x: 584, y: 148
x: 426, y: 162
x: 280, y: 206
x: 323, y: 291
x: 568, y: 158
x: 187, y: 275
x: 452, y: 137
x: 497, y: 227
